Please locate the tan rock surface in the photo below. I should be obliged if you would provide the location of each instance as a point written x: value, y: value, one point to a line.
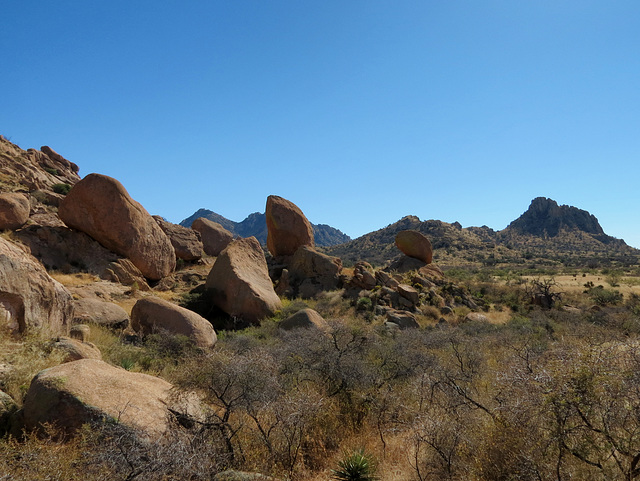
x: 29, y: 297
x: 214, y: 237
x: 152, y: 313
x: 101, y: 207
x: 89, y: 390
x: 414, y: 244
x: 287, y: 227
x: 100, y: 312
x: 75, y: 349
x: 305, y: 318
x: 240, y: 284
x: 14, y: 210
x: 186, y: 242
x: 312, y: 272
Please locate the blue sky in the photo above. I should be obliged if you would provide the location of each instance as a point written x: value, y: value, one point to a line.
x: 360, y: 112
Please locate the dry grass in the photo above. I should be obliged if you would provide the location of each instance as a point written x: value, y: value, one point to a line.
x: 74, y: 280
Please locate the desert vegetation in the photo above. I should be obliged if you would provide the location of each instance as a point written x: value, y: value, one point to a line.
x: 540, y: 392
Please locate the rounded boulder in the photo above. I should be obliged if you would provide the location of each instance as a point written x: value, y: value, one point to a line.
x: 152, y: 313
x: 414, y: 244
x: 101, y: 207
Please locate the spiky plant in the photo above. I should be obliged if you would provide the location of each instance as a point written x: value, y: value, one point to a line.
x: 357, y: 466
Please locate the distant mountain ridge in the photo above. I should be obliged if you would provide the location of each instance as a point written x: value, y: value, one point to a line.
x: 545, y: 231
x: 256, y: 225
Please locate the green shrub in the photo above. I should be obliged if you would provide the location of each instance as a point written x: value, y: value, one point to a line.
x: 357, y: 466
x: 52, y: 171
x: 605, y: 297
x: 61, y: 188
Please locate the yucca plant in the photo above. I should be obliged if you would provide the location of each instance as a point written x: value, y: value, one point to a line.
x: 358, y: 466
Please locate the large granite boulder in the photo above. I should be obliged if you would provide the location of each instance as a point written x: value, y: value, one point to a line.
x: 29, y: 297
x: 101, y: 207
x: 239, y: 282
x: 414, y: 244
x: 152, y: 313
x: 96, y: 311
x: 214, y: 237
x: 186, y: 242
x: 288, y: 228
x: 90, y: 391
x: 14, y: 210
x: 311, y: 272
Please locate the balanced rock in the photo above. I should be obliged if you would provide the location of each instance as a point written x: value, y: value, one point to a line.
x: 29, y: 297
x: 95, y: 311
x: 152, y: 313
x: 304, y: 318
x: 414, y: 244
x: 240, y: 284
x: 101, y: 207
x: 14, y: 210
x: 287, y: 227
x: 214, y: 237
x: 91, y: 391
x: 186, y: 242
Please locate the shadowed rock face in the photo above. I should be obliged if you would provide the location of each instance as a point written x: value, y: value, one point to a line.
x: 214, y: 236
x: 239, y: 282
x: 28, y: 296
x: 101, y: 207
x: 288, y: 228
x: 546, y: 218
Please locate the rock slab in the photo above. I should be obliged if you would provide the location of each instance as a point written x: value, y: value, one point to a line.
x: 287, y: 227
x: 152, y: 313
x: 29, y: 297
x: 239, y: 282
x: 102, y: 208
x: 214, y: 237
x: 186, y: 242
x: 89, y: 390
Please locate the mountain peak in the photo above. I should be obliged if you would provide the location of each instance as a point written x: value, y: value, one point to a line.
x: 545, y: 218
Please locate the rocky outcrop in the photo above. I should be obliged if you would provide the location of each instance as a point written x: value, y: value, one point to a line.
x: 96, y: 311
x: 92, y: 391
x: 403, y: 319
x: 14, y: 211
x: 309, y: 273
x: 363, y: 276
x: 214, y: 236
x: 101, y: 207
x: 288, y: 228
x: 151, y: 314
x: 239, y: 282
x: 35, y: 169
x: 185, y: 242
x: 304, y: 318
x: 414, y: 244
x: 28, y: 296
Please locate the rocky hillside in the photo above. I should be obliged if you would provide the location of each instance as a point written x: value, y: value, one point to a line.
x: 256, y: 225
x: 546, y: 234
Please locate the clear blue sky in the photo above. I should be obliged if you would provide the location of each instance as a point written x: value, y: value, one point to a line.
x: 360, y: 112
